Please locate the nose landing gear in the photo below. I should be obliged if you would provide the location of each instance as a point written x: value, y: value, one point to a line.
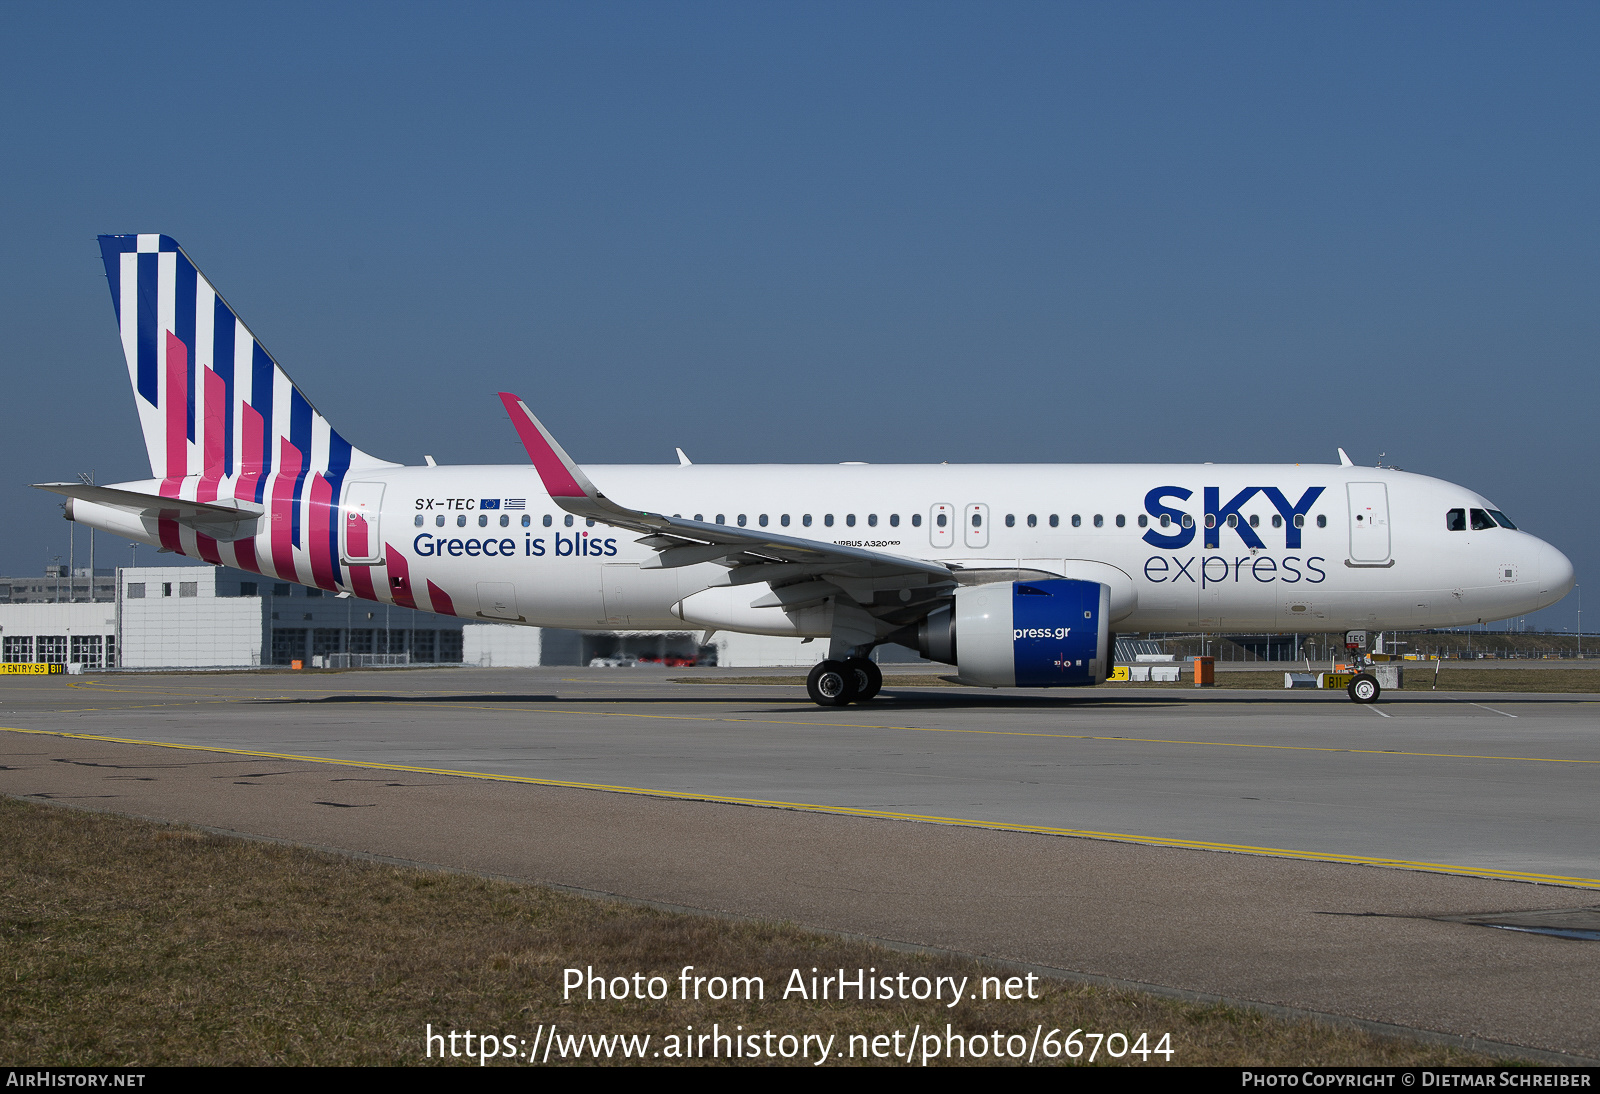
x: 1363, y: 688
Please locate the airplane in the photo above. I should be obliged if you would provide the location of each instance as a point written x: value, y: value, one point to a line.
x: 1017, y: 575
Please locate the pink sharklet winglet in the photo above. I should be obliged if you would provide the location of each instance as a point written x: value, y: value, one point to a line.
x: 561, y: 476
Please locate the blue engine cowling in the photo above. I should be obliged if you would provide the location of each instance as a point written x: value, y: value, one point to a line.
x: 1026, y: 634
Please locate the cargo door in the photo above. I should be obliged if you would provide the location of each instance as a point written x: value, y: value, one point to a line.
x: 1369, y: 523
x: 614, y: 582
x: 498, y: 600
x: 362, y: 537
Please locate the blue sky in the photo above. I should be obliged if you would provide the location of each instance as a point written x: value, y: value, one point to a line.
x: 817, y: 232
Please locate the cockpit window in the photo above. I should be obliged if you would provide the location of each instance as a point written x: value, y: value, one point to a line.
x: 1481, y: 520
x: 1502, y: 520
x: 1455, y: 520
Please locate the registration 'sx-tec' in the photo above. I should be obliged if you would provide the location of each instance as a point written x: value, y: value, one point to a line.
x: 1016, y: 574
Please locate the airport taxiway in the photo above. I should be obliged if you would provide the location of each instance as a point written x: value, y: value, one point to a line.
x: 1476, y: 795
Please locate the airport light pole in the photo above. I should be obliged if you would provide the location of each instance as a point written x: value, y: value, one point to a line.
x: 87, y: 478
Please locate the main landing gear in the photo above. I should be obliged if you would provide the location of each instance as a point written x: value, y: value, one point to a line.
x: 837, y: 683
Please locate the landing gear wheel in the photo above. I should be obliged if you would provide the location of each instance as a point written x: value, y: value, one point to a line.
x: 1364, y: 688
x: 831, y: 684
x: 869, y: 678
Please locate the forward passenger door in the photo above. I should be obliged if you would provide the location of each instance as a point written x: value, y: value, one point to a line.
x: 1369, y: 523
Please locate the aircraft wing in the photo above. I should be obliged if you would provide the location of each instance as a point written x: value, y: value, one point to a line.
x: 753, y: 554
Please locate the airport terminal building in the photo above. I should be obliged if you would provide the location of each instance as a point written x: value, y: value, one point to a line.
x: 173, y: 617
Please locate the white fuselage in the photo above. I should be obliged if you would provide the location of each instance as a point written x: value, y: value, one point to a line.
x: 1397, y: 566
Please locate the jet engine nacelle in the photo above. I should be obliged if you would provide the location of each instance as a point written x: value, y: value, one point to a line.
x: 1026, y: 634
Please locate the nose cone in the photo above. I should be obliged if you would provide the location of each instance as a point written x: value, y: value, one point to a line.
x: 1556, y: 576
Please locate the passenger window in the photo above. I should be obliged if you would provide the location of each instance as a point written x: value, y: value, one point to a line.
x: 505, y: 521
x: 701, y: 517
x: 567, y: 520
x: 1481, y: 521
x: 741, y: 520
x: 547, y: 520
x: 849, y: 520
x: 1255, y: 521
x: 1233, y: 520
x: 1144, y: 521
x: 588, y: 523
x: 1277, y: 521
x: 1011, y: 520
x: 872, y: 520
x: 1188, y: 521
x: 1322, y: 520
x: 1166, y: 521
x: 1122, y: 521
x: 438, y: 521
x: 1055, y: 521
x: 526, y: 520
x: 916, y: 520
x: 1099, y: 521
x: 721, y: 519
x: 762, y: 520
x: 418, y: 521
x: 483, y: 520
x: 827, y: 519
x: 1077, y: 521
x: 977, y: 520
x: 1033, y: 520
x: 461, y: 521
x: 1211, y: 520
x: 941, y: 519
x: 1502, y: 520
x: 784, y: 520
x: 894, y: 520
x: 806, y: 520
x: 1299, y: 520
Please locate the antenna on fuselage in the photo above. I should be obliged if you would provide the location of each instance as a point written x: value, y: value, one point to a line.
x: 1345, y: 461
x: 683, y: 461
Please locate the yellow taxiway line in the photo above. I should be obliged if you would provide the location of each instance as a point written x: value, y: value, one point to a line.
x: 853, y: 811
x: 435, y: 704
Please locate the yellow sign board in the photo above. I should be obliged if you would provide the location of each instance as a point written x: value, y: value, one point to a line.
x: 1120, y: 672
x: 30, y: 670
x: 1337, y: 679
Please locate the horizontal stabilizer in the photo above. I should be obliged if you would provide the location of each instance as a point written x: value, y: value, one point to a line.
x: 209, y: 512
x: 137, y: 514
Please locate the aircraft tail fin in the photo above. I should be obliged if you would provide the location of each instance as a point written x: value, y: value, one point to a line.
x: 219, y: 415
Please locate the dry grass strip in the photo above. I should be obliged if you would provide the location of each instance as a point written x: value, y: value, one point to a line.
x: 130, y: 943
